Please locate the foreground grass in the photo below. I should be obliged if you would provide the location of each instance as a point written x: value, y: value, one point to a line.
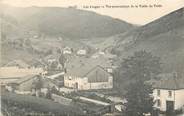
x: 26, y: 104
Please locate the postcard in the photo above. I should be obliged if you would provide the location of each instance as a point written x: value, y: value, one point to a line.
x: 92, y: 57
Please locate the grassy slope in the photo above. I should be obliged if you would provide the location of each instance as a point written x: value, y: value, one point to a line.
x: 163, y: 37
x: 67, y: 22
x: 40, y: 104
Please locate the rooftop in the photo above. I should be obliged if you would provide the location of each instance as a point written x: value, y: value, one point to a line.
x: 170, y: 82
x: 26, y: 78
x: 17, y: 63
x: 79, y: 66
x: 15, y: 72
x: 97, y: 74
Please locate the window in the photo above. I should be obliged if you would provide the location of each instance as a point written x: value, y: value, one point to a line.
x: 158, y: 92
x: 70, y: 78
x: 170, y: 93
x: 158, y: 103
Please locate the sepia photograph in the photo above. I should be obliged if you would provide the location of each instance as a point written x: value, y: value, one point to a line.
x: 91, y: 57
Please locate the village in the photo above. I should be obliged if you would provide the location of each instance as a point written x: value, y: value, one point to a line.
x: 65, y: 77
x: 83, y: 80
x: 67, y: 61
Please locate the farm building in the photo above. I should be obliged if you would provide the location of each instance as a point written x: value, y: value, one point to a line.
x: 88, y: 63
x: 11, y: 74
x: 87, y: 78
x: 23, y: 85
x: 30, y: 83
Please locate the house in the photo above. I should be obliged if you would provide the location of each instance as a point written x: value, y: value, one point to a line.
x: 17, y: 63
x: 67, y: 50
x: 27, y: 85
x: 88, y: 78
x: 23, y: 85
x: 168, y: 93
x: 12, y: 74
x: 81, y: 52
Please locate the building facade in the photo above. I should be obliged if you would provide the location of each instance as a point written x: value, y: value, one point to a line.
x: 96, y: 78
x: 168, y: 94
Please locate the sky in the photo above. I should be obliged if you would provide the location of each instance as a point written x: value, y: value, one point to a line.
x: 139, y: 15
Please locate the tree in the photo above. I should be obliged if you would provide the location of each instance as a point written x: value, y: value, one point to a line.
x: 48, y: 94
x: 62, y: 60
x: 139, y: 100
x: 140, y: 68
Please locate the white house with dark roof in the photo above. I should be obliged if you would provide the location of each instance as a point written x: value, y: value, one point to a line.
x: 67, y: 50
x: 169, y: 93
x: 82, y: 52
x: 88, y: 78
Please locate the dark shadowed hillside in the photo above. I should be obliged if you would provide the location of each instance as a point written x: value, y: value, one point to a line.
x: 163, y: 37
x: 67, y: 22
